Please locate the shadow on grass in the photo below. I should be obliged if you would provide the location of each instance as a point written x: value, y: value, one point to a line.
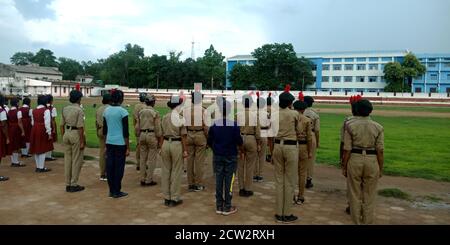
x: 394, y: 193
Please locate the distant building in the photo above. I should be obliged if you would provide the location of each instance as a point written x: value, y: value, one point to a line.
x: 63, y: 88
x: 33, y: 71
x: 437, y: 77
x: 84, y: 78
x: 340, y: 71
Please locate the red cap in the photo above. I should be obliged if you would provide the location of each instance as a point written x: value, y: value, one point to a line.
x: 257, y: 94
x: 270, y: 94
x: 358, y: 98
x: 287, y: 89
x: 77, y: 86
x: 301, y: 97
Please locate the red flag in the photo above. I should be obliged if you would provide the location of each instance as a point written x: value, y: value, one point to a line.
x: 301, y: 97
x: 287, y: 89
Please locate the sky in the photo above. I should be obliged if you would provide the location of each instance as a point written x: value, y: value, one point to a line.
x: 93, y: 29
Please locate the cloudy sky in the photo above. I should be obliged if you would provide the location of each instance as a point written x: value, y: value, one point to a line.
x: 92, y: 29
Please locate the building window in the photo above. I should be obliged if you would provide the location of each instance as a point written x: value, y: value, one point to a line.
x: 432, y: 59
x: 419, y: 78
x: 349, y: 59
x: 432, y: 65
x: 373, y: 59
x: 383, y: 80
x: 337, y: 79
x: 433, y: 76
x: 55, y: 89
x: 326, y: 67
x: 433, y: 90
x: 418, y: 90
x: 337, y: 60
x: 64, y: 90
x: 314, y: 68
x: 373, y: 67
x: 348, y: 79
x: 360, y: 79
x: 337, y: 67
x: 386, y: 59
x: 447, y: 65
x: 382, y: 66
x: 349, y: 67
x: 326, y: 60
x: 361, y: 59
x: 448, y: 90
x: 360, y: 67
x: 448, y: 76
x: 325, y: 79
x: 373, y: 79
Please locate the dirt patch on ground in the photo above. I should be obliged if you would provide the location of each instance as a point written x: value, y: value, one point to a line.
x: 30, y: 198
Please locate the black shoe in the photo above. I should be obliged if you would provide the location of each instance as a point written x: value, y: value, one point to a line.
x: 309, y: 184
x: 138, y: 168
x: 199, y: 188
x: 110, y: 195
x: 175, y: 203
x: 50, y: 159
x: 260, y: 179
x: 248, y: 193
x: 3, y: 178
x: 68, y: 188
x: 255, y: 178
x: 290, y: 219
x: 76, y: 188
x: 43, y: 170
x: 167, y: 202
x: 299, y: 200
x: 120, y: 194
x: 103, y: 178
x: 25, y: 156
x: 219, y: 210
x: 18, y: 165
x: 347, y: 210
x: 153, y: 183
x: 242, y: 193
x: 191, y: 188
x: 230, y: 211
x: 279, y: 218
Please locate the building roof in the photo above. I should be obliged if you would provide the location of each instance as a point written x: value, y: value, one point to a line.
x: 33, y: 69
x: 73, y: 83
x: 84, y: 76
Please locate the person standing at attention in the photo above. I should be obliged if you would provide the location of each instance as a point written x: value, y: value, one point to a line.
x: 101, y: 139
x: 4, y: 140
x: 25, y: 111
x: 115, y: 128
x: 54, y: 114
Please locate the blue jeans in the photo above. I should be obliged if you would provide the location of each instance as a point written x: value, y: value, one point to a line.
x: 115, y: 167
x: 224, y: 169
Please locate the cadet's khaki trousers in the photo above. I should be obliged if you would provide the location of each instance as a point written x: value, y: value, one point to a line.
x: 73, y: 156
x: 302, y: 161
x: 148, y: 145
x: 101, y: 152
x: 196, y: 147
x: 172, y: 167
x: 246, y: 165
x: 261, y: 158
x: 285, y: 158
x: 310, y: 162
x: 362, y: 178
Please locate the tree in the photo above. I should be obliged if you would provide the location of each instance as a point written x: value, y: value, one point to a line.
x: 22, y: 58
x: 45, y: 57
x: 242, y: 77
x: 70, y: 68
x: 277, y: 64
x: 212, y: 66
x: 396, y: 73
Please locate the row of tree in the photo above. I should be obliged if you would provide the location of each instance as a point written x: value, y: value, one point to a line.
x: 399, y: 76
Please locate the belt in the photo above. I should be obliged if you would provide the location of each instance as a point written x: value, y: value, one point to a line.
x: 265, y: 128
x: 71, y: 128
x: 147, y: 130
x: 286, y: 142
x: 303, y: 142
x: 172, y: 139
x: 195, y: 130
x: 368, y: 152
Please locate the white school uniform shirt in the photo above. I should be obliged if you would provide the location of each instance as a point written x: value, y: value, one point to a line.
x: 19, y: 113
x: 3, y: 116
x: 54, y: 113
x: 6, y: 108
x: 47, y: 119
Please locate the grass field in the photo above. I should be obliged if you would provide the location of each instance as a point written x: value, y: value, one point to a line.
x: 414, y: 146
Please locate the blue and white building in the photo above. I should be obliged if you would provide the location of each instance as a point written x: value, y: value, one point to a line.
x: 437, y: 77
x: 362, y: 71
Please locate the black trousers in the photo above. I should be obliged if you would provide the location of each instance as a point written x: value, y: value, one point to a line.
x: 224, y: 169
x: 115, y: 167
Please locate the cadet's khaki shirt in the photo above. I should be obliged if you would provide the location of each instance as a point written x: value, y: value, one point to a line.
x: 195, y: 116
x: 171, y: 130
x: 248, y: 123
x: 363, y: 133
x: 149, y: 119
x: 347, y: 120
x: 314, y: 116
x: 99, y: 116
x: 285, y: 121
x: 137, y: 109
x: 73, y: 116
x: 305, y: 128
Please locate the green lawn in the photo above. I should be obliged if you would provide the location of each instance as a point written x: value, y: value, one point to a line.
x: 415, y: 147
x: 391, y: 108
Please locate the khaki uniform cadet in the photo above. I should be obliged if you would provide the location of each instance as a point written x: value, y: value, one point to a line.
x: 149, y: 126
x: 305, y: 146
x: 251, y: 135
x: 72, y: 128
x: 285, y: 156
x: 173, y: 151
x: 264, y: 121
x: 196, y: 142
x: 137, y: 108
x: 101, y: 138
x: 314, y: 116
x: 363, y: 162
